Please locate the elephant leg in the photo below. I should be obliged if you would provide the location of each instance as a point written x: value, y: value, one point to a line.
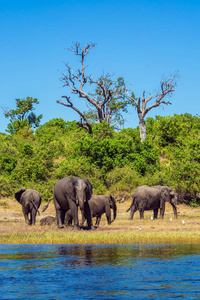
x: 74, y: 211
x: 133, y: 210
x: 88, y: 215
x: 108, y: 216
x: 162, y: 210
x: 33, y: 216
x: 155, y: 213
x: 60, y: 214
x: 83, y: 219
x: 141, y: 213
x: 98, y: 219
x: 68, y: 219
x: 60, y: 218
x: 24, y: 210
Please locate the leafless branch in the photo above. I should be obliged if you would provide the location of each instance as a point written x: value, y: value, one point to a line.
x: 84, y: 124
x: 167, y: 87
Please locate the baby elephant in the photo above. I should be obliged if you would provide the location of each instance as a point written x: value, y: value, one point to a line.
x: 99, y: 204
x: 30, y: 200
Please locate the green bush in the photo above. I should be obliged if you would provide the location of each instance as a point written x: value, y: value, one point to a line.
x: 7, y: 163
x: 113, y: 161
x: 184, y: 171
x: 110, y: 153
x: 123, y: 179
x: 7, y: 187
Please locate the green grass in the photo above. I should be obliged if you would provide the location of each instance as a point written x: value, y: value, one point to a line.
x: 90, y: 237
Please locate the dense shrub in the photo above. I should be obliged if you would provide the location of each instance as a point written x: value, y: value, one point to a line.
x: 123, y: 179
x: 114, y: 162
x: 110, y: 153
x: 184, y: 171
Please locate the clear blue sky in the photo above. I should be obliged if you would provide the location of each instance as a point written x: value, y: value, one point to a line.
x: 141, y: 40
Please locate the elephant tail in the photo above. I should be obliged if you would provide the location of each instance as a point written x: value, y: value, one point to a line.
x: 35, y: 207
x: 132, y: 203
x: 46, y: 206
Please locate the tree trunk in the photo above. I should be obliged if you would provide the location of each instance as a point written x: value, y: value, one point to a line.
x: 142, y: 127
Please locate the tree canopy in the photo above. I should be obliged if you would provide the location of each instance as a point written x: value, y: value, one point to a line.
x: 22, y: 118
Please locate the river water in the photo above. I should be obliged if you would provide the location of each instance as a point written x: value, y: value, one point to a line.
x: 99, y: 272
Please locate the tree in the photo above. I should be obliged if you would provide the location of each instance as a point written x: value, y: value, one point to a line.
x: 108, y: 100
x: 118, y: 100
x: 22, y: 117
x: 167, y: 87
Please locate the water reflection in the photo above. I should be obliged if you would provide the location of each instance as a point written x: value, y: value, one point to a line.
x: 122, y: 255
x: 96, y: 272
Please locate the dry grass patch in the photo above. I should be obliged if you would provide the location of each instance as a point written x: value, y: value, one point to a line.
x: 122, y: 231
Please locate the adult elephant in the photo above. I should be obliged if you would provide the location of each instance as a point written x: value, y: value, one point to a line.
x: 152, y: 198
x: 69, y: 193
x: 30, y: 200
x: 99, y: 204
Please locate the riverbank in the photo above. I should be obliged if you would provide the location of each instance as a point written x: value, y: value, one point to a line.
x: 13, y: 229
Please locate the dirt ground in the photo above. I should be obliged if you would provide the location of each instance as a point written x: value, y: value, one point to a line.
x: 12, y: 219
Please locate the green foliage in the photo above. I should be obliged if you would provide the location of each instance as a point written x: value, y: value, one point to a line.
x: 172, y: 131
x: 123, y: 179
x: 117, y: 101
x: 102, y: 130
x: 23, y: 115
x: 114, y: 162
x: 158, y: 178
x: 184, y: 171
x: 108, y: 153
x: 59, y: 136
x: 178, y: 139
x: 7, y: 186
x: 16, y: 125
x: 7, y: 163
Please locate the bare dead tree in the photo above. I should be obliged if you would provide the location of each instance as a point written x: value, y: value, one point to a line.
x: 105, y: 91
x: 167, y: 87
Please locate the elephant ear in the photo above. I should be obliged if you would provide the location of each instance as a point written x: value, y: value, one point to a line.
x: 18, y: 194
x: 89, y: 189
x: 112, y: 199
x: 165, y: 194
x: 172, y: 196
x: 113, y: 206
x: 71, y: 187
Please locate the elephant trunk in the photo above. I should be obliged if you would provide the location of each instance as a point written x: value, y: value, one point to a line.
x: 114, y: 212
x: 81, y: 203
x: 113, y: 206
x: 174, y: 209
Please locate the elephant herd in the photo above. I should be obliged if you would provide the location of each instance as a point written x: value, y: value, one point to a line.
x: 74, y: 192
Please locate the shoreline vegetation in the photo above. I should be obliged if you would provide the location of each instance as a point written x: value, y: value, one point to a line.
x: 13, y: 229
